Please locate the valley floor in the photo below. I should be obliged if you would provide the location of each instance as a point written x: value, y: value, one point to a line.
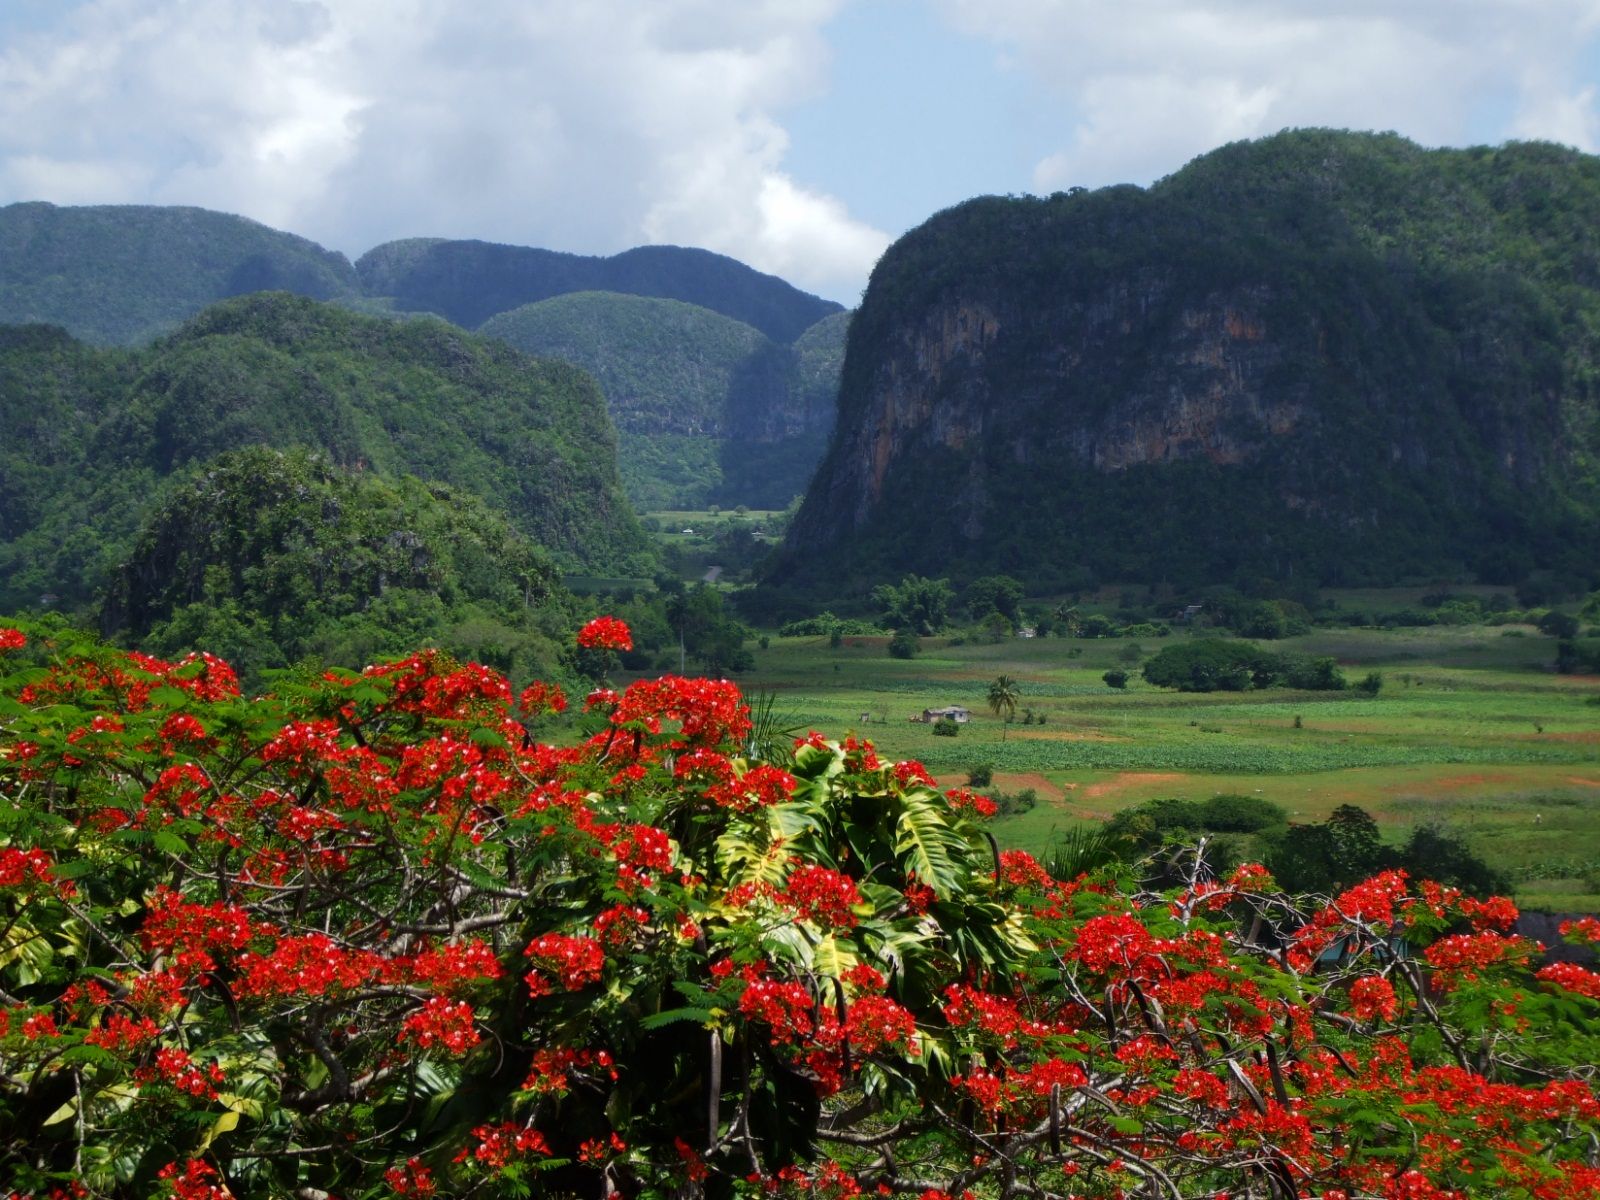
x: 1472, y: 729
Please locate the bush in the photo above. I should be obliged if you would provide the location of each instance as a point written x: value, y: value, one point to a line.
x: 946, y: 727
x: 980, y: 775
x: 1116, y: 678
x: 1213, y: 665
x: 1371, y: 683
x: 904, y: 644
x: 1011, y: 804
x: 1558, y: 625
x: 1230, y: 813
x: 1313, y: 674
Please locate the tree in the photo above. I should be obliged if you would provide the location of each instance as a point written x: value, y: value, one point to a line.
x: 707, y: 632
x: 365, y: 935
x: 922, y: 605
x: 1068, y: 619
x: 1003, y: 697
x: 1212, y: 665
x: 994, y: 594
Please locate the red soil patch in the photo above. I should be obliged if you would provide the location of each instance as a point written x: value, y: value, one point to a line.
x: 1582, y: 782
x: 1008, y: 781
x: 1128, y: 779
x: 1457, y: 783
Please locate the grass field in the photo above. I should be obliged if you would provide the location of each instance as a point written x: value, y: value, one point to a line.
x: 1471, y: 730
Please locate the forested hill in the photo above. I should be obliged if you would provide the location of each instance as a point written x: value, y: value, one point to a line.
x: 121, y: 274
x: 468, y: 282
x: 708, y: 409
x: 91, y: 439
x: 1320, y: 354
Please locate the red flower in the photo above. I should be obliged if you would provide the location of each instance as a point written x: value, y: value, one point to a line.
x: 606, y: 633
x: 1372, y: 996
x: 824, y: 896
x: 12, y: 639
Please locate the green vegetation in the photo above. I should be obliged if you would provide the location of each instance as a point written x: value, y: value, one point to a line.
x: 121, y: 275
x: 1324, y: 856
x: 268, y: 557
x: 1221, y: 665
x: 664, y: 366
x: 88, y: 436
x: 1383, y: 355
x: 468, y: 282
x: 710, y: 409
x: 1470, y: 730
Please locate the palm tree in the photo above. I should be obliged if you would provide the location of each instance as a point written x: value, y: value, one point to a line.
x: 1003, y: 696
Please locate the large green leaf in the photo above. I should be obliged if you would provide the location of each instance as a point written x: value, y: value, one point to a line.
x: 928, y: 845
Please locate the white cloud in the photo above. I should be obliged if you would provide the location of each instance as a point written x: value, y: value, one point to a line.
x: 587, y: 126
x: 1139, y: 88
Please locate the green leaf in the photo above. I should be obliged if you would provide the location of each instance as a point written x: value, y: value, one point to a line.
x: 226, y: 1123
x: 671, y: 1016
x: 927, y: 845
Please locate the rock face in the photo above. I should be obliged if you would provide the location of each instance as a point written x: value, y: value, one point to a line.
x: 1324, y: 352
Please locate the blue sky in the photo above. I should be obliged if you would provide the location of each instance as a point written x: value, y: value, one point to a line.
x: 800, y: 136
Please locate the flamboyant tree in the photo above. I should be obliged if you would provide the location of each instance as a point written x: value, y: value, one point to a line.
x: 369, y: 936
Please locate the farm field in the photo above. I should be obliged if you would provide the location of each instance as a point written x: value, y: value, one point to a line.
x: 1471, y: 730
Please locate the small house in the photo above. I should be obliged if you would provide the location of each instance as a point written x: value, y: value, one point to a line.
x: 953, y: 713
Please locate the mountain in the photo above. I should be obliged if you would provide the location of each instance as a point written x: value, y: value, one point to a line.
x: 708, y: 409
x: 265, y: 557
x: 124, y: 275
x: 1328, y: 355
x: 468, y: 282
x: 90, y: 438
x: 121, y: 274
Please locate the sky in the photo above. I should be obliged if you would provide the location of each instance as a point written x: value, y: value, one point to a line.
x: 799, y: 136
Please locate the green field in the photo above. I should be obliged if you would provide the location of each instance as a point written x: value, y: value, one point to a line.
x: 1471, y: 729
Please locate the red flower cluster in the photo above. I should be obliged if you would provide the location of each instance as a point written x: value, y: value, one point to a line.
x: 785, y: 1007
x: 499, y: 1144
x: 449, y: 1024
x: 822, y: 896
x: 25, y: 868
x: 1372, y: 997
x: 606, y: 633
x: 575, y: 961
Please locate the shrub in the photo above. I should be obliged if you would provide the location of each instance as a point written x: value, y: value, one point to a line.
x: 946, y: 727
x: 980, y: 775
x: 1010, y: 804
x: 904, y: 644
x: 367, y: 935
x: 1230, y: 813
x: 1313, y: 674
x: 1115, y: 678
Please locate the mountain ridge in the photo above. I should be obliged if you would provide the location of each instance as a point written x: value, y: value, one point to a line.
x: 1300, y: 353
x: 90, y: 437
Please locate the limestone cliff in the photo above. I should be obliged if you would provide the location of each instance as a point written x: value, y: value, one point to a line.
x: 1329, y: 353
